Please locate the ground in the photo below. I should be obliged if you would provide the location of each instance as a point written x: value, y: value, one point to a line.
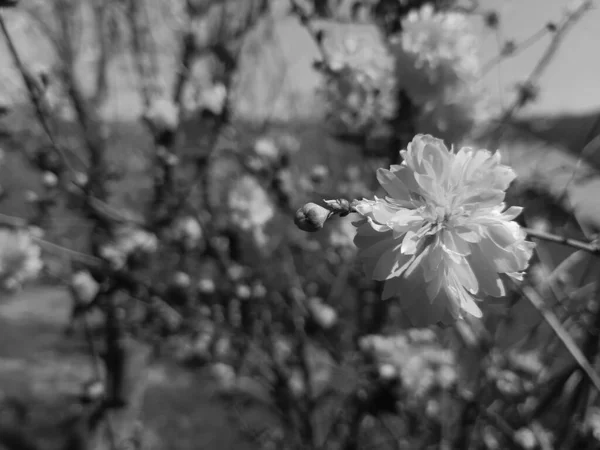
x: 39, y: 364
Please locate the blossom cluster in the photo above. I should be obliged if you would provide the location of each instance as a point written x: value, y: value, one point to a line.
x: 250, y: 207
x: 360, y: 90
x: 414, y: 358
x: 20, y: 257
x: 438, y: 67
x: 128, y: 241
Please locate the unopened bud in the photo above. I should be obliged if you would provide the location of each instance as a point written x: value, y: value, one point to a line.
x: 311, y: 217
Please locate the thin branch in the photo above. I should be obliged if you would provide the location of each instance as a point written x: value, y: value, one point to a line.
x: 557, y: 39
x: 33, y: 92
x: 538, y: 303
x: 589, y: 247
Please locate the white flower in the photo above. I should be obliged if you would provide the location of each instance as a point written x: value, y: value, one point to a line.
x: 83, y: 287
x: 442, y: 238
x: 213, y: 99
x: 361, y: 92
x: 128, y: 240
x: 250, y: 207
x: 188, y: 231
x: 20, y: 258
x: 162, y: 115
x: 439, y: 68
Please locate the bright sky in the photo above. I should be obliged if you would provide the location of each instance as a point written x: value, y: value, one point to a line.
x: 572, y: 81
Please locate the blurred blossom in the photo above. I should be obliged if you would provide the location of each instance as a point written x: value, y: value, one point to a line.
x: 83, y: 287
x: 342, y: 234
x: 224, y: 375
x: 296, y: 383
x: 266, y: 148
x: 592, y: 422
x: 361, y: 90
x: 421, y: 366
x: 162, y: 115
x: 526, y: 438
x: 250, y: 207
x: 323, y: 314
x: 31, y: 197
x: 181, y: 279
x: 188, y: 231
x: 20, y: 258
x: 288, y: 143
x: 236, y: 272
x: 319, y: 173
x: 442, y: 239
x: 243, y: 292
x: 80, y: 179
x: 206, y: 286
x: 438, y: 66
x: 128, y: 240
x: 213, y: 98
x: 259, y: 290
x: 49, y: 179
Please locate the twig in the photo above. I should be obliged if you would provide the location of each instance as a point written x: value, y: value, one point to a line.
x: 522, y: 99
x: 538, y: 303
x: 34, y: 95
x: 589, y: 247
x: 519, y: 48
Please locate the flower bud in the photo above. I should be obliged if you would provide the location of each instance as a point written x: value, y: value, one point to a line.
x: 311, y: 217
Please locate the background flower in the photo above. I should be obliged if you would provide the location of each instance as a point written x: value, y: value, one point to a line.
x: 20, y: 258
x: 438, y: 66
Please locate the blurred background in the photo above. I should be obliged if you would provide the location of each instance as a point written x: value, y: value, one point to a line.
x: 214, y: 111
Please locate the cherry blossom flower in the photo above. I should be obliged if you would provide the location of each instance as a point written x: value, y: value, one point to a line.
x: 442, y: 239
x: 20, y: 258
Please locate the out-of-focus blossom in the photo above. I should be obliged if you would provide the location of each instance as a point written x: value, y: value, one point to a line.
x: 342, y: 236
x: 181, y: 279
x: 49, y: 179
x: 421, y: 365
x: 266, y: 148
x: 438, y: 67
x: 162, y: 115
x: 224, y: 375
x: 250, y: 207
x: 188, y: 231
x: 206, y: 286
x: 243, y: 291
x: 83, y: 287
x: 442, y: 239
x: 213, y: 98
x: 20, y: 258
x: 592, y: 422
x: 128, y: 240
x: 323, y: 314
x: 360, y: 92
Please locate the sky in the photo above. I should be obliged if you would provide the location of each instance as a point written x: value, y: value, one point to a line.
x: 572, y: 81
